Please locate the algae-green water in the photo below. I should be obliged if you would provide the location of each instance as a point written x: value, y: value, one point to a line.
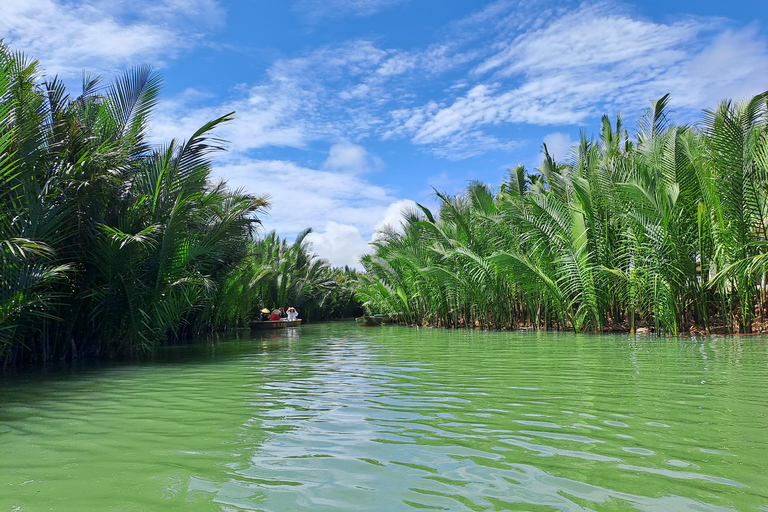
x: 339, y: 418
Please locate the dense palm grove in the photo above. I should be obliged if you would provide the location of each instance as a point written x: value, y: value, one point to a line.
x: 662, y: 228
x: 112, y: 245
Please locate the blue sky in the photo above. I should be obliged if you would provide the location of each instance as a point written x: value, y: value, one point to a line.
x: 349, y: 110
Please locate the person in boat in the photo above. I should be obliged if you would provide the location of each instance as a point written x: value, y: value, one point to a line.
x: 292, y: 314
x: 283, y: 314
x: 264, y: 315
x: 275, y: 316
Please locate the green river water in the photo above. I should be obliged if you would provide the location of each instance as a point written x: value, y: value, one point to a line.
x: 340, y: 418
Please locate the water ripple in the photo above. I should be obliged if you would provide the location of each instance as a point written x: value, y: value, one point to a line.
x: 333, y: 417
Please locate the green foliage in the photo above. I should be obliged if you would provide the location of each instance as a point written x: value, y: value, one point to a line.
x: 629, y: 231
x: 274, y: 274
x: 111, y: 245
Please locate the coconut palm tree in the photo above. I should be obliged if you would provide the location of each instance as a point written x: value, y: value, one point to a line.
x: 108, y: 244
x: 630, y: 230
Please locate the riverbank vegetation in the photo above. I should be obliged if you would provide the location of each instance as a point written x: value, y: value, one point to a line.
x: 110, y: 244
x: 278, y: 273
x: 663, y: 227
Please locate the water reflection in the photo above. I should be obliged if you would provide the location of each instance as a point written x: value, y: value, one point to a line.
x: 339, y: 418
x: 365, y: 433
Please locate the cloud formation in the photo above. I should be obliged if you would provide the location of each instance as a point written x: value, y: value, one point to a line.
x: 582, y: 63
x: 302, y: 100
x: 344, y: 244
x: 559, y: 146
x: 351, y: 158
x: 302, y: 195
x: 342, y: 207
x: 473, y: 89
x: 341, y: 244
x: 104, y: 36
x: 393, y: 215
x: 501, y: 67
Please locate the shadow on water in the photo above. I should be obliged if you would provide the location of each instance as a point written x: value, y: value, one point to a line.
x: 217, y: 346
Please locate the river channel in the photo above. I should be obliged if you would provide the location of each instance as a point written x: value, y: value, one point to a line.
x: 334, y: 417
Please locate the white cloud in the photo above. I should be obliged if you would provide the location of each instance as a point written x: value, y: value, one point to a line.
x: 101, y: 36
x: 344, y: 244
x: 298, y: 103
x: 397, y: 65
x: 393, y: 215
x: 558, y: 146
x: 351, y: 158
x: 262, y: 118
x: 304, y: 197
x: 509, y: 63
x: 344, y: 209
x: 582, y: 63
x: 590, y: 36
x: 442, y: 57
x: 338, y: 94
x: 733, y: 66
x: 341, y: 244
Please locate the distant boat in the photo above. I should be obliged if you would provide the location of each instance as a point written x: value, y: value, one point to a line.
x: 274, y: 324
x: 375, y: 320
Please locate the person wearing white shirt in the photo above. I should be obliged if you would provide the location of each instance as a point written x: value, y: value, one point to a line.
x: 292, y: 314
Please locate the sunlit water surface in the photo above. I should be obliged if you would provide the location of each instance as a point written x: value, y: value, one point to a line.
x: 339, y: 418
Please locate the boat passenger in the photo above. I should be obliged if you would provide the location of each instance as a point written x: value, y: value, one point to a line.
x: 264, y: 315
x: 283, y: 314
x: 292, y: 314
x: 275, y: 316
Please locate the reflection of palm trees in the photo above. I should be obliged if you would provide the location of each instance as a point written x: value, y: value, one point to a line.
x: 631, y: 229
